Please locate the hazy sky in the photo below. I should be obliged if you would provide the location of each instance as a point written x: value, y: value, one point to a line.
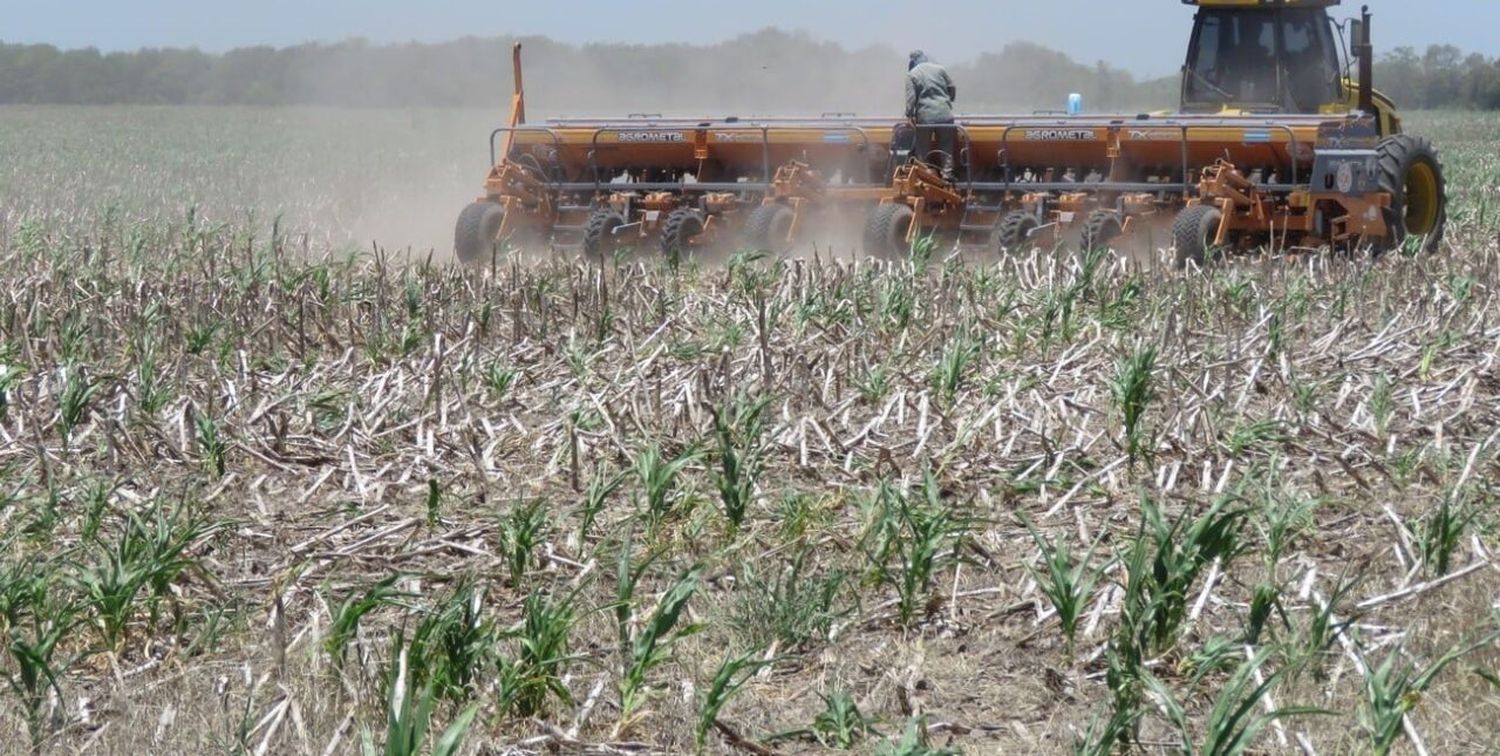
x: 1145, y: 36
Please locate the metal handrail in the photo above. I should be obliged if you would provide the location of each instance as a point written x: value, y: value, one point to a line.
x: 964, y: 145
x: 495, y: 160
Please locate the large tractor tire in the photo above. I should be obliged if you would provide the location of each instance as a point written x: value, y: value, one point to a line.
x: 886, y: 230
x: 1101, y: 229
x: 599, y: 232
x: 680, y: 232
x: 1015, y: 231
x: 1411, y: 173
x: 477, y: 232
x: 768, y: 227
x: 1193, y: 234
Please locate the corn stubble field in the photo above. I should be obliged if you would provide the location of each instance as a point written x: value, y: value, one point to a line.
x: 266, y: 489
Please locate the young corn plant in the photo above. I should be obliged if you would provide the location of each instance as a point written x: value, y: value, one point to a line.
x: 922, y: 249
x: 896, y: 303
x: 1120, y: 312
x: 96, y: 497
x: 658, y: 478
x: 74, y: 402
x: 738, y: 430
x: 36, y: 674
x: 1105, y: 737
x: 651, y: 645
x: 1395, y: 689
x: 352, y: 611
x: 600, y: 488
x: 1133, y: 391
x: 212, y: 447
x: 952, y: 369
x: 1265, y: 601
x: 880, y: 531
x: 1067, y: 580
x: 144, y: 557
x: 534, y: 677
x: 840, y: 725
x: 499, y: 379
x: 1234, y: 723
x: 1255, y: 437
x: 46, y: 513
x: 35, y: 622
x: 1125, y: 657
x: 1283, y: 519
x: 409, y: 711
x: 874, y: 383
x: 914, y: 537
x: 1164, y: 562
x: 521, y: 533
x: 200, y: 337
x: 733, y: 673
x: 1115, y: 733
x: 1059, y: 305
x: 152, y: 391
x: 72, y: 338
x: 1311, y: 644
x: 1218, y: 654
x: 745, y: 270
x: 1441, y: 531
x: 628, y: 575
x: 453, y: 645
x: 914, y: 742
x: 167, y: 537
x: 1488, y: 676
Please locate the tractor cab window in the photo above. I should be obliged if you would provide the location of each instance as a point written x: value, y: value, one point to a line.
x: 1311, y: 63
x: 1272, y: 60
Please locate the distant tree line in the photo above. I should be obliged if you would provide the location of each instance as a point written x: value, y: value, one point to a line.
x: 766, y: 72
x: 760, y: 73
x: 1442, y: 77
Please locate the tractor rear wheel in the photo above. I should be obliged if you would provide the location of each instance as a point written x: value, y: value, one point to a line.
x: 477, y: 232
x: 678, y: 234
x: 599, y: 233
x: 1101, y: 229
x: 1411, y: 173
x: 1194, y: 232
x: 768, y: 227
x: 1016, y: 229
x: 887, y: 229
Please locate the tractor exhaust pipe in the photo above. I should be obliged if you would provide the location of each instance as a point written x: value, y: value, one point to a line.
x: 1366, y: 53
x: 517, y: 104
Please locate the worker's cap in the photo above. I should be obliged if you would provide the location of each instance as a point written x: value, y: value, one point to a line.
x: 916, y: 58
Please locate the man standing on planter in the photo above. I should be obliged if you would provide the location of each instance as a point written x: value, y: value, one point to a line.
x: 929, y: 106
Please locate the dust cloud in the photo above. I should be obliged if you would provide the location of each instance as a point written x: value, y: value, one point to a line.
x: 399, y: 180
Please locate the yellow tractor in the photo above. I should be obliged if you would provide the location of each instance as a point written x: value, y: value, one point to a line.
x: 1250, y: 57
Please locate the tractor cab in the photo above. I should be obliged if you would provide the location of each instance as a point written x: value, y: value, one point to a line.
x: 1276, y: 56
